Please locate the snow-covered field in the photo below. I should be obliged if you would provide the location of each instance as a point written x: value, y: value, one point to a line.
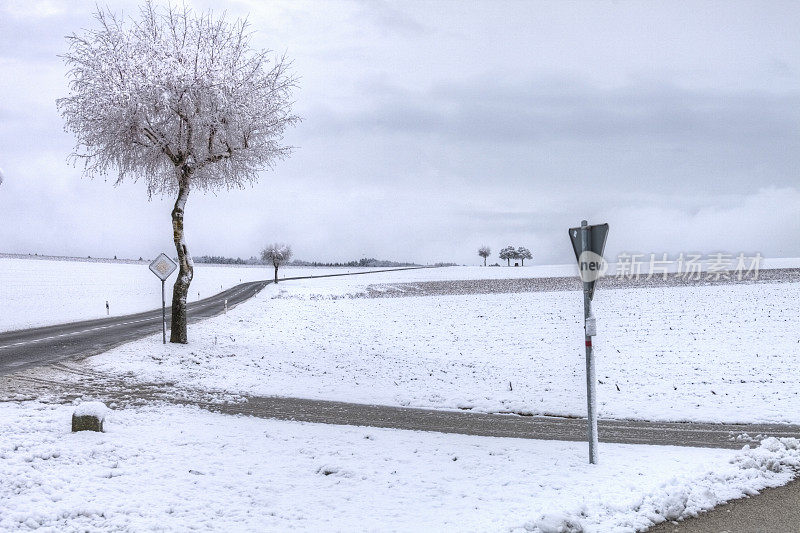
x: 39, y: 292
x: 712, y: 353
x: 725, y: 353
x: 177, y: 468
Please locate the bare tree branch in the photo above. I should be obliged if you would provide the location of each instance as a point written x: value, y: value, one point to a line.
x: 172, y: 88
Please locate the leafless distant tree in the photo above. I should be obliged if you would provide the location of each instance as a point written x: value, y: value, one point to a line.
x: 484, y: 251
x: 181, y: 101
x: 277, y: 254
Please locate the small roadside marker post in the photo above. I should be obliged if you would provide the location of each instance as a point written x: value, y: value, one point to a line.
x: 588, y: 243
x: 163, y: 267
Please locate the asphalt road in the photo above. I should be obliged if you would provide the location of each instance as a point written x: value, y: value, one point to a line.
x: 69, y: 380
x: 500, y: 425
x: 23, y: 349
x: 27, y: 348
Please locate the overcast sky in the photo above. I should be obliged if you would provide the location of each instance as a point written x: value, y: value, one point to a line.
x: 430, y: 128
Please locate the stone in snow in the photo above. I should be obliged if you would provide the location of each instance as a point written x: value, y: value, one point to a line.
x: 89, y: 416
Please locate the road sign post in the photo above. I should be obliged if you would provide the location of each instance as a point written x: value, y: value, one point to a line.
x: 163, y: 267
x: 591, y: 382
x: 588, y: 243
x: 163, y: 312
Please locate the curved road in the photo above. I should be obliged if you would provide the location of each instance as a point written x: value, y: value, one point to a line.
x: 39, y: 346
x: 22, y: 349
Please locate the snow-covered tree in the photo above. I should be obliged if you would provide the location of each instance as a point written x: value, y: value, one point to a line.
x: 523, y: 254
x: 484, y: 251
x: 181, y: 101
x: 508, y: 253
x: 277, y: 254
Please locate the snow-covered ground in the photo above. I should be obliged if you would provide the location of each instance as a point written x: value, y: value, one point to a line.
x: 178, y: 468
x: 712, y: 353
x: 39, y: 292
x: 724, y: 353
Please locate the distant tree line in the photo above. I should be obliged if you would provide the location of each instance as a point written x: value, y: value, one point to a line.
x: 220, y: 260
x: 364, y: 262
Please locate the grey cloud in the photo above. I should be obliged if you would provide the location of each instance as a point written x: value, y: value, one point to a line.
x: 424, y: 138
x: 654, y: 137
x: 533, y: 112
x: 390, y: 18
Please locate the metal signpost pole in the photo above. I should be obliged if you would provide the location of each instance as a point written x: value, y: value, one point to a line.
x: 591, y: 382
x: 588, y: 243
x: 162, y: 266
x: 163, y: 312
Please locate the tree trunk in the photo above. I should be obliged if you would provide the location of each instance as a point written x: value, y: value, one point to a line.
x: 509, y: 261
x: 484, y: 261
x: 180, y: 291
x: 523, y: 261
x: 276, y: 273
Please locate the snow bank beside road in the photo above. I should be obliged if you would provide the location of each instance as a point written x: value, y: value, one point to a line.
x: 774, y: 463
x: 178, y: 468
x: 726, y: 353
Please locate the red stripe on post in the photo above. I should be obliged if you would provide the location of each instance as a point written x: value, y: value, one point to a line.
x: 588, y: 343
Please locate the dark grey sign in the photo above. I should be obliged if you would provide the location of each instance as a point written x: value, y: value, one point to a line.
x: 590, y: 260
x: 597, y: 239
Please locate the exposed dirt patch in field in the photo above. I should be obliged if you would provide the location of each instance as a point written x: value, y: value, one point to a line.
x: 552, y: 284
